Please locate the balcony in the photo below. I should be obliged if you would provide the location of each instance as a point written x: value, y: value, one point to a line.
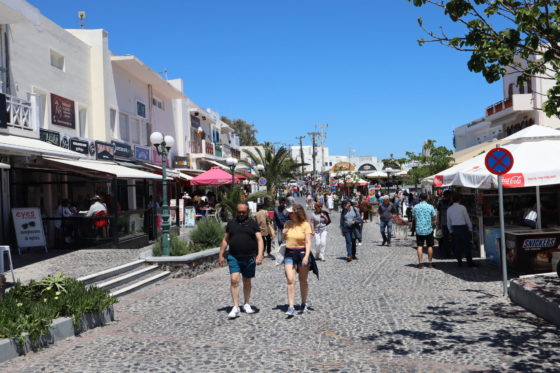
x: 22, y: 116
x: 518, y: 102
x: 209, y: 148
x: 196, y: 147
x: 235, y: 153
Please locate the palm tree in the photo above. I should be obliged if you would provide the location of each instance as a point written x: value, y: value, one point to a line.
x: 278, y: 165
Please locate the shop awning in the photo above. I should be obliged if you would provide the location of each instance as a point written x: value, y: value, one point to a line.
x: 18, y: 145
x: 111, y: 168
x: 4, y: 166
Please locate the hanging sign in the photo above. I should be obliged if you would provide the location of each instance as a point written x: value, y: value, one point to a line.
x: 62, y: 111
x: 28, y: 225
x: 499, y: 161
x: 122, y: 150
x: 141, y: 153
x: 52, y: 137
x: 105, y: 151
x: 79, y: 146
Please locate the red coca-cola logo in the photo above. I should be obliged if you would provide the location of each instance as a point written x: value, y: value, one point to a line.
x: 516, y: 180
x: 438, y: 180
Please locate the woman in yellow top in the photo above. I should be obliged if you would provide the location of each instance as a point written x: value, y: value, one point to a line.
x: 297, y: 236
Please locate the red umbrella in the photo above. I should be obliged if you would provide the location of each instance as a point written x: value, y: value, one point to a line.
x: 214, y: 176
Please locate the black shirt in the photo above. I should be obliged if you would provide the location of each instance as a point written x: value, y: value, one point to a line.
x: 242, y: 237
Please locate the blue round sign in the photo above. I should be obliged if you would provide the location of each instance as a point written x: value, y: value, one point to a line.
x: 499, y: 161
x: 262, y: 181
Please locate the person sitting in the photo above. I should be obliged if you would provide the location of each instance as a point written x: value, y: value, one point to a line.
x: 530, y: 217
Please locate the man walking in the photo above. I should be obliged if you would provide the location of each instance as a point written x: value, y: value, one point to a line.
x: 424, y: 215
x: 460, y: 227
x: 386, y: 211
x: 349, y: 226
x: 441, y: 222
x: 281, y: 216
x: 245, y: 252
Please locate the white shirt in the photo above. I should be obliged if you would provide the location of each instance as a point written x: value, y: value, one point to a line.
x: 457, y: 215
x: 532, y: 215
x: 95, y: 208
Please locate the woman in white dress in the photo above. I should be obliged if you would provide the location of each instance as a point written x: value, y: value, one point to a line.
x: 330, y: 202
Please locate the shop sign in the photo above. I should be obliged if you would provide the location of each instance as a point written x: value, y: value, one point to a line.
x: 157, y: 160
x: 52, y: 137
x: 92, y: 149
x: 122, y: 150
x: 105, y: 151
x: 65, y: 142
x: 181, y: 162
x: 3, y: 111
x: 28, y: 225
x: 79, y: 146
x: 367, y: 167
x: 62, y: 111
x: 190, y: 216
x: 141, y: 154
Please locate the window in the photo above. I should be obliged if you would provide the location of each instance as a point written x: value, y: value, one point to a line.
x: 135, y: 131
x: 510, y: 90
x: 123, y: 127
x: 113, y: 120
x: 82, y: 117
x: 57, y: 60
x: 140, y: 109
x: 157, y: 103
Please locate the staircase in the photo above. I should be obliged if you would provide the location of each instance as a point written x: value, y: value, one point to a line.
x: 126, y: 278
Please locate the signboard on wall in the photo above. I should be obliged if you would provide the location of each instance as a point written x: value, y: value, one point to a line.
x: 190, y: 217
x: 181, y: 162
x: 122, y: 150
x: 105, y: 151
x: 28, y: 226
x: 3, y: 111
x: 79, y: 146
x: 62, y: 111
x: 367, y: 167
x: 141, y: 154
x: 52, y: 137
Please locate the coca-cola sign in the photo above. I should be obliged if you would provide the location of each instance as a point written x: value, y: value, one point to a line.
x: 438, y: 180
x: 516, y: 180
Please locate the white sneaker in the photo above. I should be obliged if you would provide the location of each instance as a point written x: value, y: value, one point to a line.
x: 359, y: 244
x: 247, y: 308
x: 304, y: 308
x: 235, y: 312
x: 322, y: 257
x: 291, y: 311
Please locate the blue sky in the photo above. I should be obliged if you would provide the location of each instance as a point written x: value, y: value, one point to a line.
x: 289, y: 65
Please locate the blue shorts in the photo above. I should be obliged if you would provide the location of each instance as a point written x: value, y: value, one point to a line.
x: 244, y: 265
x: 294, y: 257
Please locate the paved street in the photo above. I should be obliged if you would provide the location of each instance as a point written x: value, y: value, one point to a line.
x: 378, y: 314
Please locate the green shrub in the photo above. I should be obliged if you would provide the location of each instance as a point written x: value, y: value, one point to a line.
x: 208, y: 233
x: 31, y: 308
x: 177, y: 246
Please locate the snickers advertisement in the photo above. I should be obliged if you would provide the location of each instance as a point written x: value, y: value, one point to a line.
x: 530, y: 251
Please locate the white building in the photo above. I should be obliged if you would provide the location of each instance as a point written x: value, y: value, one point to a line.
x: 520, y: 108
x: 359, y: 163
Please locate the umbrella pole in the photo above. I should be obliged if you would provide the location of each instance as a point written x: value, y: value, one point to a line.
x: 539, y: 220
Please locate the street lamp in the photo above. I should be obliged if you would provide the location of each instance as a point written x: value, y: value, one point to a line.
x: 260, y: 168
x: 163, y: 144
x: 232, y: 162
x: 389, y: 171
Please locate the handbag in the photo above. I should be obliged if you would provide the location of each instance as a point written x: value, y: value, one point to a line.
x: 358, y: 219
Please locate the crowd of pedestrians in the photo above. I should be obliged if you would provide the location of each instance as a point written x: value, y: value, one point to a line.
x: 297, y: 233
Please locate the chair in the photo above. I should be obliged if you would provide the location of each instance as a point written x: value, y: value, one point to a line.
x: 101, y: 223
x: 4, y: 250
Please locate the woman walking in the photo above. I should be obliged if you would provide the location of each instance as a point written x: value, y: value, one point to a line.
x: 265, y: 225
x: 319, y: 221
x: 297, y: 235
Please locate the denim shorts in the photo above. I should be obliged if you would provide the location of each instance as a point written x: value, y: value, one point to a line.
x: 244, y: 265
x: 290, y: 254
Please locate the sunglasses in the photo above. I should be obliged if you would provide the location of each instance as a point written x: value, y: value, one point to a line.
x: 30, y: 224
x: 241, y: 212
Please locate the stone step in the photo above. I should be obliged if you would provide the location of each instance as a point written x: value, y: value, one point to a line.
x: 127, y: 277
x: 140, y: 284
x: 111, y: 272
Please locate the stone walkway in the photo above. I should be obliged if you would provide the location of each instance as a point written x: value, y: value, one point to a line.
x: 377, y: 314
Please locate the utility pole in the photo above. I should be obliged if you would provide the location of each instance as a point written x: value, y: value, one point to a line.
x: 314, y: 153
x: 323, y: 134
x: 300, y: 138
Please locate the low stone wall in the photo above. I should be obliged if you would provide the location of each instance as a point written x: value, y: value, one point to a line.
x: 531, y: 293
x: 187, y: 266
x: 60, y: 328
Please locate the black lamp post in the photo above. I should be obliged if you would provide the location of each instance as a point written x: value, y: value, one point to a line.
x: 232, y: 162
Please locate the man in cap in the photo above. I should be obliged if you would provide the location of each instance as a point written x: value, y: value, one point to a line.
x: 96, y: 207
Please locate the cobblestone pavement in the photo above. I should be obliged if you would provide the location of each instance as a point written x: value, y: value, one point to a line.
x: 377, y: 314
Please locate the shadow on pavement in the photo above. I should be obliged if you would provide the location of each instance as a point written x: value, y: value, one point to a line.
x: 526, y: 349
x: 34, y: 255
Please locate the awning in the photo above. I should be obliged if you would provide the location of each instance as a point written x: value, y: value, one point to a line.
x: 18, y: 145
x: 217, y: 164
x: 171, y: 174
x: 4, y: 166
x: 110, y: 168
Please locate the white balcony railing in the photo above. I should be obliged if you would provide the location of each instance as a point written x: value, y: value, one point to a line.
x: 19, y: 113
